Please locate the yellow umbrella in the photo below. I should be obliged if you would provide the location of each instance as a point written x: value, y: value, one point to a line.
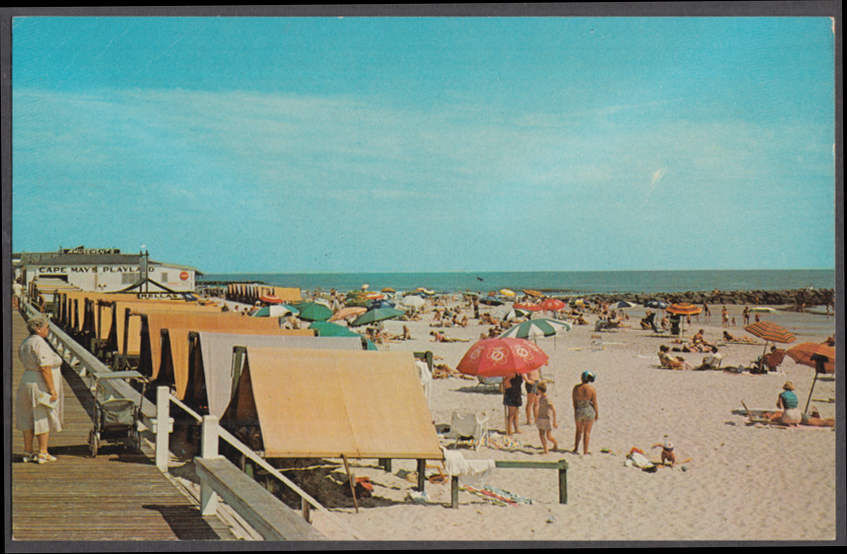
x: 507, y: 292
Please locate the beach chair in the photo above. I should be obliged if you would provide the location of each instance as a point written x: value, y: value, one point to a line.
x: 469, y: 426
x: 773, y: 359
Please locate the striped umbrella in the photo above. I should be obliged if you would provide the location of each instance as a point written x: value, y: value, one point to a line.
x: 515, y: 313
x: 622, y: 305
x: 534, y: 328
x: 684, y: 308
x: 770, y: 332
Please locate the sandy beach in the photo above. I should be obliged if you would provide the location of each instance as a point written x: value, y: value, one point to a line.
x: 736, y: 481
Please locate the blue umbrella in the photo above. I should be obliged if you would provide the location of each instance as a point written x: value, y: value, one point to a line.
x: 622, y: 304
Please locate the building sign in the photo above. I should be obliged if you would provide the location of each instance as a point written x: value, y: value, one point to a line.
x: 183, y: 275
x: 84, y: 250
x: 92, y: 269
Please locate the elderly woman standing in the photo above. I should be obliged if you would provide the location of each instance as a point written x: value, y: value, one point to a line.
x: 42, y: 375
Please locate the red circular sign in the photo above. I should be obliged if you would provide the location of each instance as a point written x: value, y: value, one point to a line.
x: 184, y: 276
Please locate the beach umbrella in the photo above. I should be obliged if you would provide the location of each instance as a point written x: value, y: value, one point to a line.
x: 499, y: 357
x: 348, y: 312
x: 772, y: 332
x: 528, y: 307
x: 622, y: 305
x: 553, y: 305
x: 277, y: 310
x: 314, y: 311
x: 380, y: 304
x: 684, y: 308
x: 490, y: 302
x: 535, y: 293
x: 535, y: 328
x: 764, y: 309
x: 656, y: 304
x: 425, y: 291
x: 270, y: 299
x: 327, y: 329
x: 373, y: 316
x: 515, y: 313
x: 507, y: 292
x: 413, y: 301
x: 819, y: 356
x: 804, y: 353
x: 388, y: 289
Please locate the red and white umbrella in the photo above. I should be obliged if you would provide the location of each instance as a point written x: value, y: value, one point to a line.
x: 501, y: 357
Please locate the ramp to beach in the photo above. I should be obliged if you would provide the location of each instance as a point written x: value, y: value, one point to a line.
x: 119, y: 495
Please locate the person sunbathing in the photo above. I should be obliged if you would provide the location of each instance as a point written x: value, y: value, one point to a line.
x: 812, y: 419
x: 732, y: 338
x: 669, y: 362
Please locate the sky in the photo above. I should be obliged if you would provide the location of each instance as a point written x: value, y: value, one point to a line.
x: 299, y: 145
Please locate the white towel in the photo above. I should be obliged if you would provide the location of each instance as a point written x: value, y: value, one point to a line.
x: 470, y: 472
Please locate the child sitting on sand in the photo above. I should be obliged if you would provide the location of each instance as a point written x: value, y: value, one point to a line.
x: 546, y: 418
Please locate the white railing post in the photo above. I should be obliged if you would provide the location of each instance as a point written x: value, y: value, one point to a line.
x: 208, y: 449
x: 163, y: 405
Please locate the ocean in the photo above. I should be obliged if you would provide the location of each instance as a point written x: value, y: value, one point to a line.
x: 561, y: 283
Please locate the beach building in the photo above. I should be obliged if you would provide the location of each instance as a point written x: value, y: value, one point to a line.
x: 100, y: 270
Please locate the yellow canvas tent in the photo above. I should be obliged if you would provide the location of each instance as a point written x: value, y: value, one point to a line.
x: 202, y: 363
x: 179, y: 324
x: 329, y: 403
x: 115, y: 326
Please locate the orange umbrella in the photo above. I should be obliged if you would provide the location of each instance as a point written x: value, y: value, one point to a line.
x: 684, y: 308
x: 535, y: 293
x: 803, y: 353
x: 770, y: 332
x: 810, y: 353
x: 530, y: 307
x: 499, y: 357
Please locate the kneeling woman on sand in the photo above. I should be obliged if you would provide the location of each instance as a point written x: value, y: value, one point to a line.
x: 585, y: 410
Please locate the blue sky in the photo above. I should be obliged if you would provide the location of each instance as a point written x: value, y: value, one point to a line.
x: 428, y: 144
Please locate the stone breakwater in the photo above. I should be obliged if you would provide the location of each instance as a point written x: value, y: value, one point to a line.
x: 809, y: 297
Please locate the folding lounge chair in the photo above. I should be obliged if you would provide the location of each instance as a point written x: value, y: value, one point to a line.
x: 469, y: 426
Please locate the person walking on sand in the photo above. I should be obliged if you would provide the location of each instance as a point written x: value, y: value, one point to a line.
x: 585, y: 411
x: 546, y: 419
x: 725, y: 316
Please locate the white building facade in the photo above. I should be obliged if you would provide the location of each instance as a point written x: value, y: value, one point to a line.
x: 106, y: 270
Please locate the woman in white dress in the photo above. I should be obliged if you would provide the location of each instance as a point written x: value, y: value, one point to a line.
x: 42, y: 378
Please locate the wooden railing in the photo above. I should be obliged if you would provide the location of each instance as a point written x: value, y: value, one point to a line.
x: 216, y: 477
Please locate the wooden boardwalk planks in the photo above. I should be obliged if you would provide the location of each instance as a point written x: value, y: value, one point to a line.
x: 116, y: 496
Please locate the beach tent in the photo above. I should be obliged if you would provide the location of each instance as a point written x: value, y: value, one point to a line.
x: 150, y: 339
x: 203, y: 368
x: 329, y: 403
x: 114, y: 325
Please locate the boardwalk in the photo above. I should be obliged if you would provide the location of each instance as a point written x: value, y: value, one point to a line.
x: 116, y: 496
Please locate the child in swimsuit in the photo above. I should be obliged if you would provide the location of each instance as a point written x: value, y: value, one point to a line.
x: 546, y: 419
